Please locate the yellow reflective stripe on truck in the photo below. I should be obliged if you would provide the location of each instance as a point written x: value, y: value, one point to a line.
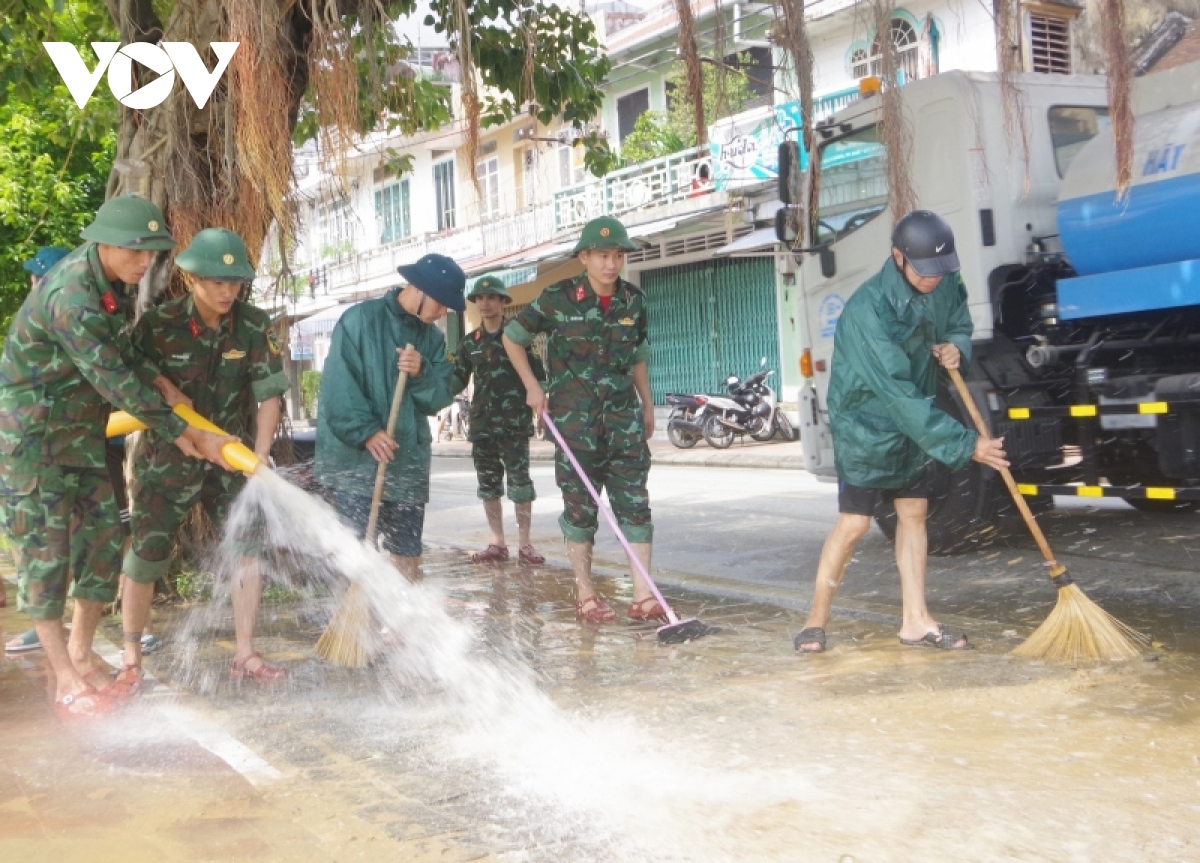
x: 1083, y: 410
x: 1124, y: 492
x: 1152, y: 408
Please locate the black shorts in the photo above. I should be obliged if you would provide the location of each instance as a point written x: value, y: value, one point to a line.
x: 856, y: 500
x: 400, y: 525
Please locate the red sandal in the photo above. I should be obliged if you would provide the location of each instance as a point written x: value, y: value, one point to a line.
x: 264, y: 673
x: 492, y: 554
x: 594, y: 610
x: 87, y: 704
x: 130, y: 681
x: 639, y: 611
x: 528, y: 554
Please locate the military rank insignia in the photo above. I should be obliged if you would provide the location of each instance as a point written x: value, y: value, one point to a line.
x: 580, y: 294
x: 626, y: 322
x: 109, y: 303
x: 273, y: 343
x: 193, y: 328
x: 233, y: 355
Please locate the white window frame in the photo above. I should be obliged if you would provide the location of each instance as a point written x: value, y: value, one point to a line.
x: 443, y: 187
x: 487, y: 172
x: 394, y: 196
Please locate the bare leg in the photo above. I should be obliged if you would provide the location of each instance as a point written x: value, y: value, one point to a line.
x: 524, y: 520
x: 67, y: 680
x: 641, y: 590
x: 912, y: 555
x: 83, y: 632
x: 135, y: 612
x: 580, y: 554
x: 246, y: 593
x: 835, y: 555
x: 495, y: 519
x: 410, y: 567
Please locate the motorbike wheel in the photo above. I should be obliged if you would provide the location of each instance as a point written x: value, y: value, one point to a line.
x: 464, y: 424
x: 765, y: 432
x: 718, y: 436
x: 784, y: 426
x: 539, y: 432
x: 681, y: 440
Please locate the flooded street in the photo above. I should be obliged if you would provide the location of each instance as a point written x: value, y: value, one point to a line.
x: 730, y: 748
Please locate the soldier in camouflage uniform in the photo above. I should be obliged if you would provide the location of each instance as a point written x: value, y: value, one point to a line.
x: 599, y: 397
x: 68, y: 357
x: 501, y: 423
x: 223, y: 356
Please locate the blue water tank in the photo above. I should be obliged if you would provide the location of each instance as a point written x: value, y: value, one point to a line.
x: 1158, y: 222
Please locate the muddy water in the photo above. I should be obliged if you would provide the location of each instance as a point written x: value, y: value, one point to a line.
x: 516, y: 734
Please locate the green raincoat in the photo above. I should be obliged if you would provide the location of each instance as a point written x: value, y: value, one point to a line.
x: 884, y: 379
x: 357, y: 384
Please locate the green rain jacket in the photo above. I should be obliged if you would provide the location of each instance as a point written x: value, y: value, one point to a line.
x: 357, y: 384
x: 884, y: 379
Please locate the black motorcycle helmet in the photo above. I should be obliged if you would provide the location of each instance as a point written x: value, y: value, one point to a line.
x: 926, y: 241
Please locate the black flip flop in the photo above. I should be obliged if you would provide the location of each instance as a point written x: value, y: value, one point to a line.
x: 807, y: 636
x: 944, y: 639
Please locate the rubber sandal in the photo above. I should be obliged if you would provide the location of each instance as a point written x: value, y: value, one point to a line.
x: 130, y: 681
x: 640, y: 611
x: 492, y: 554
x: 264, y: 673
x: 809, y: 636
x: 98, y: 680
x: 528, y: 554
x: 594, y: 610
x: 87, y: 704
x: 26, y: 641
x: 151, y: 643
x: 946, y: 638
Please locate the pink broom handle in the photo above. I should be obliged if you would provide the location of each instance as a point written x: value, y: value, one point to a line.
x: 612, y: 521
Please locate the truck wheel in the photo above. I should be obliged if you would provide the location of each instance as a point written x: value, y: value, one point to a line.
x: 1164, y: 507
x: 718, y: 435
x: 677, y: 437
x: 962, y: 511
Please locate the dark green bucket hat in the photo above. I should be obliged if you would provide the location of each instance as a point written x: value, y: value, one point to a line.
x: 46, y: 257
x: 604, y: 233
x: 489, y: 285
x: 131, y: 223
x: 216, y: 253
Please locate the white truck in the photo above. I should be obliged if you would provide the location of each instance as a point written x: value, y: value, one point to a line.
x: 1086, y: 308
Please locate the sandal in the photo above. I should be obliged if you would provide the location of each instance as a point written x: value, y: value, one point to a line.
x: 265, y: 671
x: 529, y: 555
x: 946, y: 638
x: 639, y: 611
x: 811, y: 635
x: 98, y: 680
x: 151, y: 643
x: 594, y: 610
x: 130, y: 681
x: 87, y: 704
x: 27, y: 640
x: 492, y: 554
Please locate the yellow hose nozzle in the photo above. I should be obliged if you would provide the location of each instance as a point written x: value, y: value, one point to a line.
x: 239, y: 456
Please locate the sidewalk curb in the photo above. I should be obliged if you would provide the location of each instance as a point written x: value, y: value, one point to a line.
x: 734, y: 458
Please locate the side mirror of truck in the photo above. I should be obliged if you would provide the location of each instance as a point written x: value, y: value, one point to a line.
x: 828, y: 261
x: 789, y: 172
x: 787, y: 225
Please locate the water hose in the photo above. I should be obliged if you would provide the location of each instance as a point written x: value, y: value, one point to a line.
x: 237, y: 454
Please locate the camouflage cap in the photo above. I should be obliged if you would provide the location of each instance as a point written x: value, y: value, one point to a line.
x: 131, y: 223
x: 604, y: 233
x: 216, y: 253
x: 488, y: 285
x: 46, y: 257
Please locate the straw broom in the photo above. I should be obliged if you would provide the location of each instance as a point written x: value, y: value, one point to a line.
x: 345, y: 639
x: 1077, y: 630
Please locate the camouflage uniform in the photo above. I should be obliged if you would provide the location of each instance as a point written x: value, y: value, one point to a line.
x: 590, y: 355
x: 501, y: 422
x: 68, y: 357
x: 226, y: 372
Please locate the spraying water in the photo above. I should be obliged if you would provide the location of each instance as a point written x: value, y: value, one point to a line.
x: 597, y: 774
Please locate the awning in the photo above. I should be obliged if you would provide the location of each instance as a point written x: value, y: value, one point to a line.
x: 760, y: 239
x: 322, y: 322
x: 508, y: 277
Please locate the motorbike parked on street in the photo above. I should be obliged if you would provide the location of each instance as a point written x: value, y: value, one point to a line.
x: 751, y: 408
x: 685, y: 425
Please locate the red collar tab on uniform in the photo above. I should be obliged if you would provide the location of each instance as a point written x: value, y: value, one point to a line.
x: 108, y: 301
x: 479, y: 335
x: 194, y: 328
x: 580, y: 293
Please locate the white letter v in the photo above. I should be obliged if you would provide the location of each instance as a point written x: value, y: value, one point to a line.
x: 75, y: 74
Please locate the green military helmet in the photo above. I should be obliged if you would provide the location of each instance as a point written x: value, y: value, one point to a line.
x: 131, y: 223
x: 216, y: 253
x: 489, y: 285
x: 604, y: 233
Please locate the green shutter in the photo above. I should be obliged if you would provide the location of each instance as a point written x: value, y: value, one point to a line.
x: 708, y: 321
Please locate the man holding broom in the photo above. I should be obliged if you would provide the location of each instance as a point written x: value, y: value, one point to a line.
x: 885, y: 426
x: 501, y: 424
x: 357, y: 386
x: 599, y: 397
x: 68, y: 357
x: 223, y: 356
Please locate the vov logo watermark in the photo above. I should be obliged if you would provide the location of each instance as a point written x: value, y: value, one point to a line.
x: 166, y: 59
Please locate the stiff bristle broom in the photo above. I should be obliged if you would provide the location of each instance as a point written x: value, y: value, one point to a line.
x: 1077, y: 630
x: 349, y: 640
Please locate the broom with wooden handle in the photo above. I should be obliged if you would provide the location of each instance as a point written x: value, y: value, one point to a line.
x: 344, y: 641
x: 1077, y: 630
